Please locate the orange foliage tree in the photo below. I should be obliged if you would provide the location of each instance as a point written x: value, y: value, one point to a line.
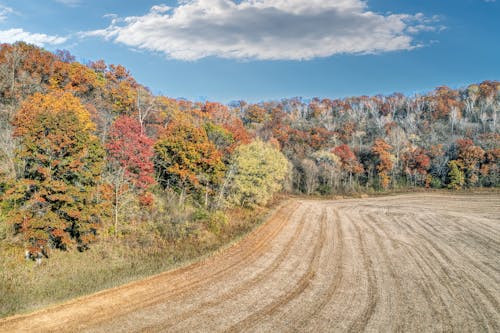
x: 56, y: 201
x: 416, y: 162
x: 187, y: 160
x: 470, y: 157
x: 382, y: 149
x: 349, y: 162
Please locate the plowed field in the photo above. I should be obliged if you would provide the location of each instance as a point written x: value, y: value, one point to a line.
x: 408, y: 263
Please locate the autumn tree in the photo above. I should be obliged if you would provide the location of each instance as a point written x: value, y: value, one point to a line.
x: 220, y: 137
x: 470, y: 157
x: 490, y: 169
x: 56, y: 200
x: 221, y: 116
x: 349, y: 162
x: 258, y: 172
x: 446, y: 100
x: 381, y: 149
x: 456, y: 175
x: 255, y: 114
x: 416, y: 163
x: 120, y: 90
x: 130, y: 165
x: 186, y: 160
x: 24, y: 70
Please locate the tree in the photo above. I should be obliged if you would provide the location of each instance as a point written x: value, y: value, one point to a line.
x: 257, y: 172
x: 349, y: 162
x: 7, y: 151
x: 385, y: 161
x: 470, y: 157
x: 457, y: 178
x: 56, y: 202
x: 329, y: 170
x: 446, y: 100
x: 310, y: 175
x: 121, y: 90
x: 220, y: 137
x: 186, y: 160
x: 416, y: 163
x: 130, y: 165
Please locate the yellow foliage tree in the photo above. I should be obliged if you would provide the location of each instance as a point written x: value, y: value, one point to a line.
x: 258, y: 171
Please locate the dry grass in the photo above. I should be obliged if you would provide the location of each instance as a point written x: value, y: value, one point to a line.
x: 141, y: 251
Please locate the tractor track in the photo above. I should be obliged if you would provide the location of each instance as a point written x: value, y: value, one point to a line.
x: 412, y: 263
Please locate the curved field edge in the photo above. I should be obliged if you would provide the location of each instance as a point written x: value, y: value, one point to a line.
x: 26, y: 287
x: 413, y: 263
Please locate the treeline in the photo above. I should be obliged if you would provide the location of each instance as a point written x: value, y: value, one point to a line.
x: 85, y: 150
x: 444, y: 139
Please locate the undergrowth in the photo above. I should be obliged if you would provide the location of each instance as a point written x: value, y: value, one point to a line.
x: 140, y: 250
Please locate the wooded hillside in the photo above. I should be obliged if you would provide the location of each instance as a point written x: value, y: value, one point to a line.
x: 86, y: 151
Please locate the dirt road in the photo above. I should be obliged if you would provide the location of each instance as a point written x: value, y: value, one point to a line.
x: 409, y: 263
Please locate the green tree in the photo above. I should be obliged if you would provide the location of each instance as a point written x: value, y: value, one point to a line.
x: 457, y: 177
x: 257, y: 172
x: 56, y: 201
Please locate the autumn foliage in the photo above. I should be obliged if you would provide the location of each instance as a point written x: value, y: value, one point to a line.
x: 80, y: 143
x: 382, y: 150
x: 131, y: 151
x: 187, y: 159
x: 56, y: 199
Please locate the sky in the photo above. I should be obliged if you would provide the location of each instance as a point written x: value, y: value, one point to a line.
x: 256, y: 50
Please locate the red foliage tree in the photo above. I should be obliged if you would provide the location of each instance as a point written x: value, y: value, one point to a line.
x: 349, y: 161
x: 130, y: 162
x: 416, y: 162
x: 130, y: 149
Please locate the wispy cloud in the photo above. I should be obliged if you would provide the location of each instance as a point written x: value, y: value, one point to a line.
x: 266, y: 29
x: 4, y: 12
x: 70, y: 3
x: 15, y: 35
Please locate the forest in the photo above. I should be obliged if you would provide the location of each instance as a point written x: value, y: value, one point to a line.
x: 88, y: 153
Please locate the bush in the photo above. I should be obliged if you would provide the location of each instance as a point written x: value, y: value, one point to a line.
x: 217, y: 221
x: 436, y: 182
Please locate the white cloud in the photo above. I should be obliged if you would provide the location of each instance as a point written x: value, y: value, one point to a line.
x: 15, y: 35
x: 110, y: 15
x: 4, y: 12
x: 266, y: 29
x: 70, y: 3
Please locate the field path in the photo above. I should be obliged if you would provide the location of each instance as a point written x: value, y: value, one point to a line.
x: 407, y: 263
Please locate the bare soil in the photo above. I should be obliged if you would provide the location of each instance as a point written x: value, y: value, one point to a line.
x: 408, y: 263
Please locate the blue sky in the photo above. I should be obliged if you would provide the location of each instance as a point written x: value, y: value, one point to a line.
x: 256, y: 50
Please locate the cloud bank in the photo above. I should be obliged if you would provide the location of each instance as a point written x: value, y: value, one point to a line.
x: 266, y: 29
x: 15, y: 35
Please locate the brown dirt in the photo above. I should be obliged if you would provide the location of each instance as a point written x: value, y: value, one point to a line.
x: 411, y: 263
